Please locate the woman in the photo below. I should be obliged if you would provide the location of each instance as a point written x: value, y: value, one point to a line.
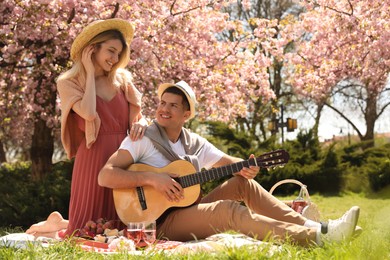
x: 99, y: 104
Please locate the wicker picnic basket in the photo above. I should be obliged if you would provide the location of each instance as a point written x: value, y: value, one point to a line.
x: 311, y: 210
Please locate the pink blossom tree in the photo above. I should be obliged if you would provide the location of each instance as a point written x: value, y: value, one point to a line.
x: 174, y: 40
x: 343, y: 54
x: 188, y: 41
x: 262, y: 21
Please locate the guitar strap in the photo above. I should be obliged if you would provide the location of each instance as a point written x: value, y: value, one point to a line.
x: 192, y: 144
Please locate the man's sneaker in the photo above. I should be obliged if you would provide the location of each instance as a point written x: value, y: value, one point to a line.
x: 344, y: 227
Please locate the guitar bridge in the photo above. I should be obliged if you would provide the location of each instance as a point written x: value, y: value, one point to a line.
x: 141, y: 198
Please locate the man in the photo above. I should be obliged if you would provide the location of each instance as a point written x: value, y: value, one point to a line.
x: 166, y: 140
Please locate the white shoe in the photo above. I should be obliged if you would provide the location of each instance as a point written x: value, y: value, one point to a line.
x: 344, y: 227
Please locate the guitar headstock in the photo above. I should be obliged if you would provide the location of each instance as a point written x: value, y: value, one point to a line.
x: 273, y: 159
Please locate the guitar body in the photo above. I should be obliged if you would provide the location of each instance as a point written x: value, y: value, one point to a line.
x: 127, y: 203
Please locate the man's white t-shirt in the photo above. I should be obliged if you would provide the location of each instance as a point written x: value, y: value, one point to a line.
x: 143, y: 151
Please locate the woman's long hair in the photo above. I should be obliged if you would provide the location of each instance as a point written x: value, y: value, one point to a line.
x: 78, y: 70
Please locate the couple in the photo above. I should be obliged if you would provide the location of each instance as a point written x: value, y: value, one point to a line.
x: 263, y: 216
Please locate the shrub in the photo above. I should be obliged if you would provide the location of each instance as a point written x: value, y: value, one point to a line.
x: 381, y: 178
x: 365, y: 169
x: 24, y: 201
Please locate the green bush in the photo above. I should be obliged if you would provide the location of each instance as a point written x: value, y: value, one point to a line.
x: 316, y: 178
x: 318, y: 168
x: 381, y: 178
x: 365, y: 169
x: 355, y: 179
x: 24, y: 201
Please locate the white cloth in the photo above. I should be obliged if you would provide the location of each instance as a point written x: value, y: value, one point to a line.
x: 22, y: 240
x: 144, y: 152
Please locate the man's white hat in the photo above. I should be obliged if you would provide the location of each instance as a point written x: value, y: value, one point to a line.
x: 186, y: 89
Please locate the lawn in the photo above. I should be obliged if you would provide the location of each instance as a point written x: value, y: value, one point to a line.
x: 373, y: 243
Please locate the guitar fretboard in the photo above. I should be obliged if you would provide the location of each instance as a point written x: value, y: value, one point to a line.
x: 212, y: 174
x: 271, y: 159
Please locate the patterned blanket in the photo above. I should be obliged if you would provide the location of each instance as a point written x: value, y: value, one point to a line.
x: 213, y: 243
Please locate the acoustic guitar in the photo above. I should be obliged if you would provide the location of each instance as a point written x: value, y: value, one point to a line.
x: 146, y: 203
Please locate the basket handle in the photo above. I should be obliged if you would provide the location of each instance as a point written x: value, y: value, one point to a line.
x: 303, y: 186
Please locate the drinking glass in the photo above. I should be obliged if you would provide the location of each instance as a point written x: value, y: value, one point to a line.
x: 149, y: 232
x: 134, y: 231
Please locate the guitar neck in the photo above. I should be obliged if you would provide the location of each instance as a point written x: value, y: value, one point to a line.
x: 271, y: 159
x: 212, y: 174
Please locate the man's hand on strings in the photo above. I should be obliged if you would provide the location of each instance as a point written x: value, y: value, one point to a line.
x: 166, y: 185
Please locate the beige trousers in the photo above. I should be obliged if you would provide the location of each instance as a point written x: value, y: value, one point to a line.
x: 263, y: 215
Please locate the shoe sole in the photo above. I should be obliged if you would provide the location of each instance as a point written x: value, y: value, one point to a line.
x: 357, y: 232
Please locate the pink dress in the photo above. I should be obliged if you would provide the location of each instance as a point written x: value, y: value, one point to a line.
x: 88, y: 200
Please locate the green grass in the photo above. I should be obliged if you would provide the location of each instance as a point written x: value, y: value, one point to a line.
x: 373, y: 243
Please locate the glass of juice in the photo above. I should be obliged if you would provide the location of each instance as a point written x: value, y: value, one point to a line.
x: 149, y: 232
x: 134, y: 231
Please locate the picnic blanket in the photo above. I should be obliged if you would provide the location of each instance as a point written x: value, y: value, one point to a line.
x: 213, y: 243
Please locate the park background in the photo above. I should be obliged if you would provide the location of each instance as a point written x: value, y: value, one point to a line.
x: 245, y: 59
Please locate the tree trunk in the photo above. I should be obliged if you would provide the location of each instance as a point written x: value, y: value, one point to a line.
x: 320, y: 106
x: 276, y: 86
x: 3, y: 158
x: 42, y: 149
x: 370, y: 116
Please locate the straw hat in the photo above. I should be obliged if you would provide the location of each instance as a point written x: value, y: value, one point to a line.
x: 186, y: 89
x: 99, y: 26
